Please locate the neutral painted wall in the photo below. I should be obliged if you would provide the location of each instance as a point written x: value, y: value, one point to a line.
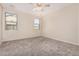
x: 0, y: 23
x: 78, y: 23
x: 62, y: 24
x: 25, y: 27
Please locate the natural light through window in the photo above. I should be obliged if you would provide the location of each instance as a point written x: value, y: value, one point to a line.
x: 37, y: 23
x: 10, y: 21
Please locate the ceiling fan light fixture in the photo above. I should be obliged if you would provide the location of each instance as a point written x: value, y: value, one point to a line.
x: 38, y: 8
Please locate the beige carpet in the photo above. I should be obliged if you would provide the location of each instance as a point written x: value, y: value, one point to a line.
x: 39, y: 46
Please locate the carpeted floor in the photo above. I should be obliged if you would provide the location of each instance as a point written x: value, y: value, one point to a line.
x: 39, y: 46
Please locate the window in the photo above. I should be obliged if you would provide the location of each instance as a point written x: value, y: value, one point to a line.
x: 37, y: 23
x: 10, y: 21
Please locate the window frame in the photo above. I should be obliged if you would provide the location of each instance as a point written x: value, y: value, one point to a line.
x: 16, y: 21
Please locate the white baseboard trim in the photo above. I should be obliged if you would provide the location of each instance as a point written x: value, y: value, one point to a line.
x: 63, y: 41
x: 21, y: 38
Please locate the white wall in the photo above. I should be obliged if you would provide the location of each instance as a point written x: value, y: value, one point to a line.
x: 25, y: 27
x: 62, y: 24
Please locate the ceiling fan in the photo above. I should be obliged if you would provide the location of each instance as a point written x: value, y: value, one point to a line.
x: 39, y: 7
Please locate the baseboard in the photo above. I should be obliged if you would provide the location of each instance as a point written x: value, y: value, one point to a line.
x: 22, y: 38
x: 63, y: 41
x: 45, y: 37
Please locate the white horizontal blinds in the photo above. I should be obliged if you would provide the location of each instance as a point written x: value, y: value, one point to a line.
x: 37, y: 23
x: 11, y: 21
